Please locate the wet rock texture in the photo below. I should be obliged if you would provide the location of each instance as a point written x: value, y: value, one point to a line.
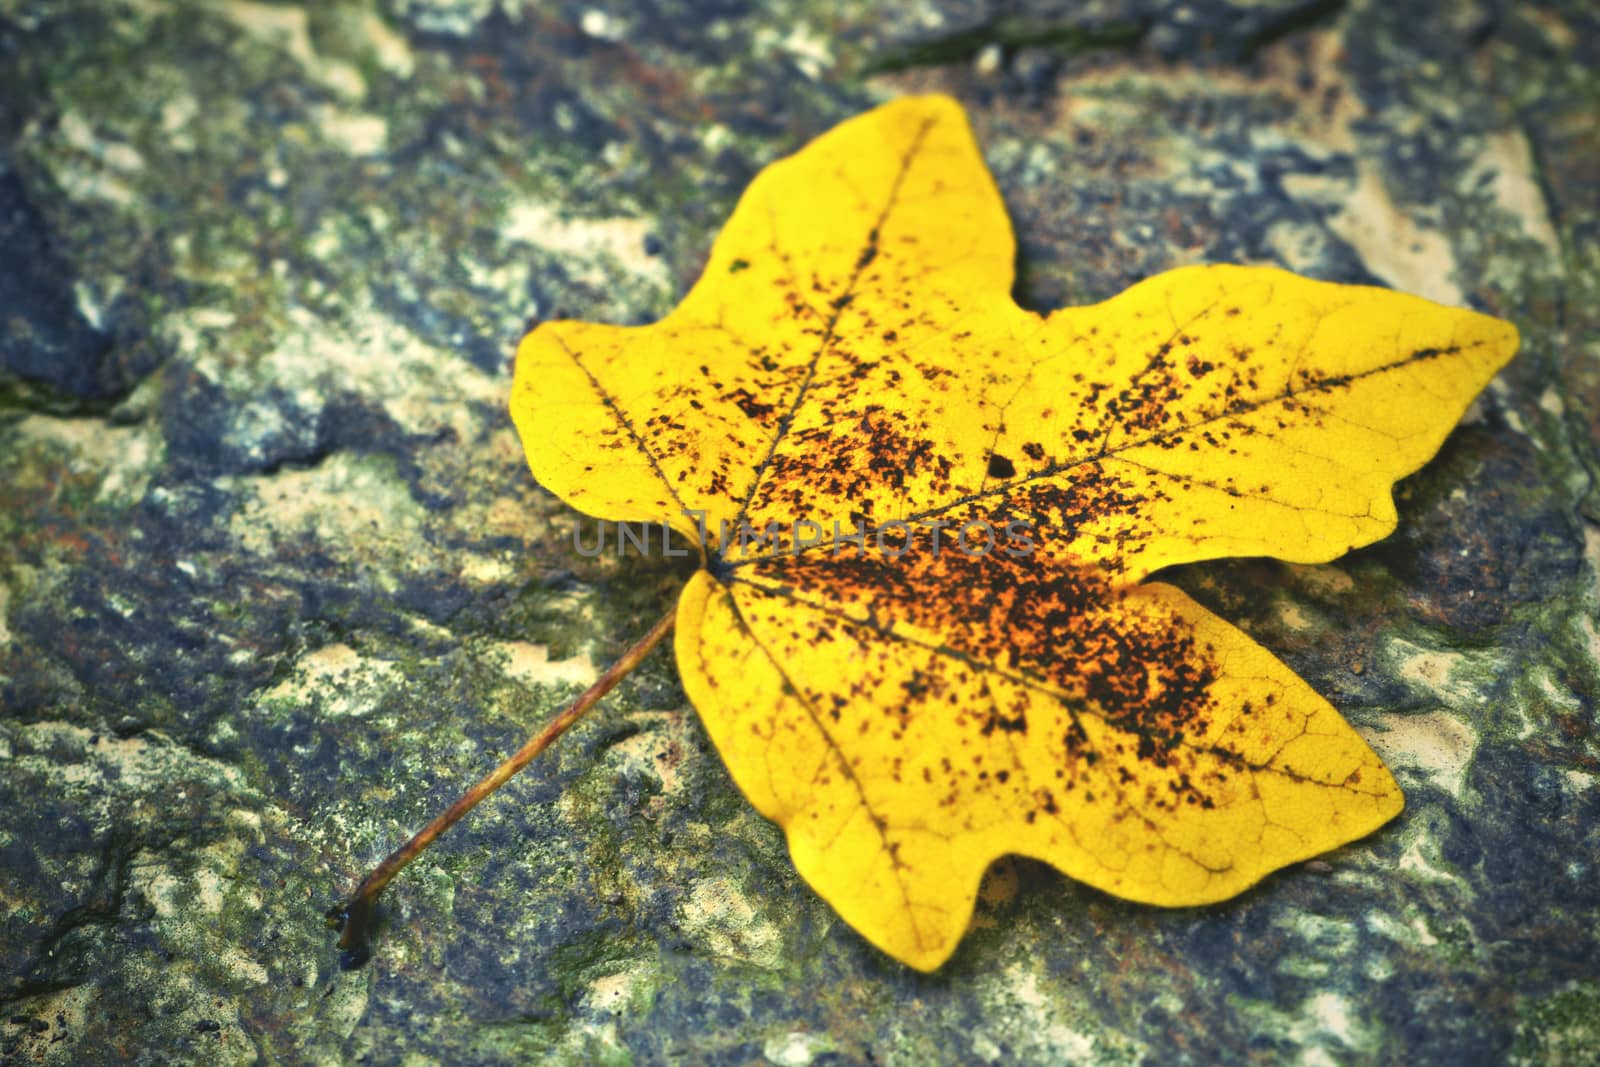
x: 275, y: 584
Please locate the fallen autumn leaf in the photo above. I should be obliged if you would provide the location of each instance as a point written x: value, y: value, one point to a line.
x: 910, y: 709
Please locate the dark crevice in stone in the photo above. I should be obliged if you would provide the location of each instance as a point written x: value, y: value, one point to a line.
x: 57, y: 962
x: 1010, y: 33
x: 1274, y: 26
x: 1217, y: 31
x: 51, y: 357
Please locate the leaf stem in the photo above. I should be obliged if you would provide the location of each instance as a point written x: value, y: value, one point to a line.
x: 355, y: 918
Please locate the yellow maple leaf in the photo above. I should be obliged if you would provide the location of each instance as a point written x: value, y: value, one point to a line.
x: 922, y: 637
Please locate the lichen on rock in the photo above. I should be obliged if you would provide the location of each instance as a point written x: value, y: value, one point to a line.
x: 273, y: 575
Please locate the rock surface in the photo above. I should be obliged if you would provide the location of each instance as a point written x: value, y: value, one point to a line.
x: 275, y: 584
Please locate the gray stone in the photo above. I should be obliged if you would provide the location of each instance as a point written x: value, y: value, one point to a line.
x: 275, y: 584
